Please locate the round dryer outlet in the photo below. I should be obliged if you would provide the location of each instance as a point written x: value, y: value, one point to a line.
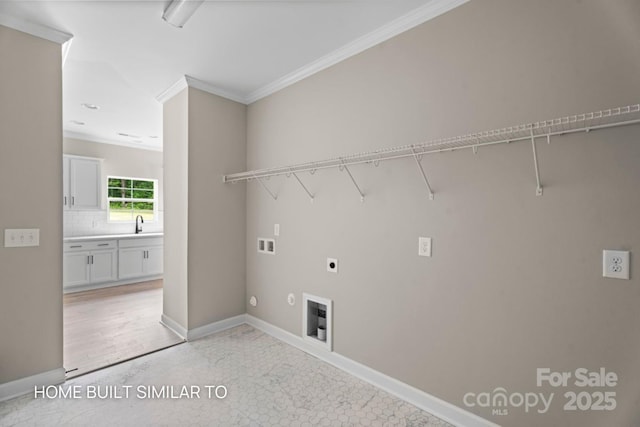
x: 253, y: 301
x: 291, y: 299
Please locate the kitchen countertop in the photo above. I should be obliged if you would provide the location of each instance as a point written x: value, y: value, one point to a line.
x: 110, y: 237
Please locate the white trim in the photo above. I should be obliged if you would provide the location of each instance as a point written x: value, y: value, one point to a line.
x: 212, y: 328
x: 188, y: 81
x: 215, y: 90
x: 412, y: 19
x: 90, y: 138
x: 92, y: 286
x: 66, y: 47
x: 438, y: 407
x: 37, y: 30
x: 26, y: 385
x: 172, y: 90
x: 174, y: 326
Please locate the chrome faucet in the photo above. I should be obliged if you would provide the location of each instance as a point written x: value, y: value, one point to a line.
x: 139, y: 225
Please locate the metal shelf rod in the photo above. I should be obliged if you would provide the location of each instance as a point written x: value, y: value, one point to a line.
x: 529, y: 132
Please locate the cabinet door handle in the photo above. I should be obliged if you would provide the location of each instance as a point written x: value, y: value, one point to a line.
x: 92, y: 259
x: 65, y: 200
x: 73, y: 200
x: 88, y: 259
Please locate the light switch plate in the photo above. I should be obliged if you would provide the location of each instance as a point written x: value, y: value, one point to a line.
x: 615, y: 264
x: 424, y: 246
x: 20, y: 238
x: 276, y: 230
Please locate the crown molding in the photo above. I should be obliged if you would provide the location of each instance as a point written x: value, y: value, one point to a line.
x: 214, y: 90
x: 172, y: 90
x: 91, y: 138
x: 37, y: 30
x: 188, y: 81
x: 419, y: 16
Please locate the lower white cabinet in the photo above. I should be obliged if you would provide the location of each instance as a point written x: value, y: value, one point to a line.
x: 92, y: 262
x: 103, y: 262
x: 140, y: 257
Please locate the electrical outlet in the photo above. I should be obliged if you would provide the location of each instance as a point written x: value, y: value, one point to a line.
x: 332, y: 265
x: 424, y: 246
x: 615, y: 264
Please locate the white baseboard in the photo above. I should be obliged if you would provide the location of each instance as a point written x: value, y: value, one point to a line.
x: 202, y: 331
x: 174, y: 326
x: 93, y: 286
x: 438, y: 407
x: 212, y: 328
x: 26, y: 385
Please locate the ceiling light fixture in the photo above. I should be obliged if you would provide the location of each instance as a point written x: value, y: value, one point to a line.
x: 91, y: 106
x: 179, y: 11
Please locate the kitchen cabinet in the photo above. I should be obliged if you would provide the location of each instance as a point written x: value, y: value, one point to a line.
x: 81, y: 182
x: 88, y: 263
x: 140, y: 257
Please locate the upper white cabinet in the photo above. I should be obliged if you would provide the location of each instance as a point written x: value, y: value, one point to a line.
x: 82, y: 177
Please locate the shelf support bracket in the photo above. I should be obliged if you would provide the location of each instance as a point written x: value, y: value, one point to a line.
x: 424, y: 176
x: 302, y: 185
x: 344, y: 167
x: 535, y: 164
x: 275, y: 196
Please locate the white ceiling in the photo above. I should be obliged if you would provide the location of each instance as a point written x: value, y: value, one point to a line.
x: 123, y: 55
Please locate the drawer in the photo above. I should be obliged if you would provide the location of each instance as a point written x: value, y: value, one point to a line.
x: 90, y: 246
x: 138, y: 242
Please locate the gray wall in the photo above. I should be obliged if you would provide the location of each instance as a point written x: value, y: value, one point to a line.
x: 204, y: 138
x: 515, y: 282
x: 176, y: 227
x: 217, y: 146
x: 31, y: 173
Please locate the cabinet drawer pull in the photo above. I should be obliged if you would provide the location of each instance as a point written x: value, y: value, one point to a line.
x: 76, y: 246
x: 103, y: 244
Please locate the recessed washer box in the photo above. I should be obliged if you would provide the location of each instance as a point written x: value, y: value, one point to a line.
x: 317, y: 321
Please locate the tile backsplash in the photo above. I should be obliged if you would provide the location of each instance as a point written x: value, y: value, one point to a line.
x: 94, y: 222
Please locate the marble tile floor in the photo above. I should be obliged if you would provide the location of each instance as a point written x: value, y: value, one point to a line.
x: 266, y: 383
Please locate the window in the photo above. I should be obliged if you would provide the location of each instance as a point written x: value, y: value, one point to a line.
x: 130, y: 197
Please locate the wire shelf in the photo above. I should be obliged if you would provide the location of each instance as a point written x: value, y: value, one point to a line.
x: 586, y: 122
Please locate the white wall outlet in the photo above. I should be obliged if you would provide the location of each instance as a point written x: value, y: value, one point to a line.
x: 253, y: 301
x: 332, y: 265
x: 424, y: 246
x: 17, y: 238
x: 615, y: 264
x: 276, y: 230
x: 291, y: 299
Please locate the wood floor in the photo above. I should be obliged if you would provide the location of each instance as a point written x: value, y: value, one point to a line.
x: 110, y: 325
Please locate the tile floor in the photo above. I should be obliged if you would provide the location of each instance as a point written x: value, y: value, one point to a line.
x: 268, y: 383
